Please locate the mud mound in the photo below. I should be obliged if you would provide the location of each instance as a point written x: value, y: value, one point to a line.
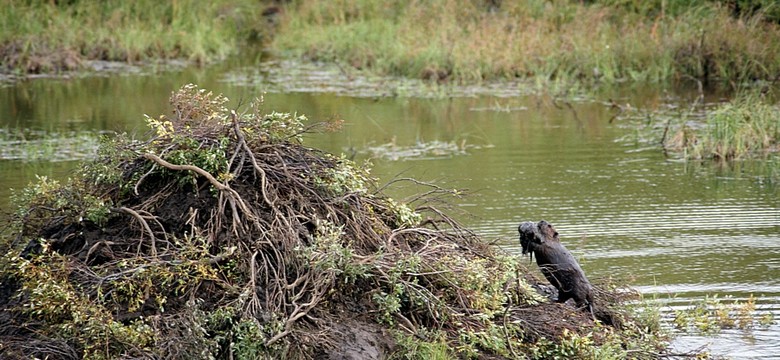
x: 223, y: 237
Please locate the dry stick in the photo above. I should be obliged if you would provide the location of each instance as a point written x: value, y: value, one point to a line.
x: 300, y: 311
x: 254, y: 304
x: 191, y: 220
x: 273, y: 301
x: 240, y: 165
x: 296, y: 314
x: 407, y: 324
x: 277, y: 336
x: 430, y: 298
x: 458, y: 231
x: 216, y: 215
x: 419, y: 231
x: 427, y: 196
x: 242, y: 142
x: 400, y: 179
x: 194, y: 168
x: 159, y: 224
x: 93, y: 247
x: 135, y: 188
x: 144, y: 224
x: 236, y: 220
x: 222, y: 256
x: 234, y: 196
x: 506, y: 333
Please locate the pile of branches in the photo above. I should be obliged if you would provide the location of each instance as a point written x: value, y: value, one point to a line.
x: 224, y: 237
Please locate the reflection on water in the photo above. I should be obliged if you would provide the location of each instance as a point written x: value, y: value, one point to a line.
x: 679, y: 230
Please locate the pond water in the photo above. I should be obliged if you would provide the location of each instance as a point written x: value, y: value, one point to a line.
x: 679, y: 231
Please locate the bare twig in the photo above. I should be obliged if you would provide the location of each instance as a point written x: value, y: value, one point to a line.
x: 141, y: 179
x: 242, y: 142
x: 144, y: 224
x: 192, y: 168
x: 234, y: 197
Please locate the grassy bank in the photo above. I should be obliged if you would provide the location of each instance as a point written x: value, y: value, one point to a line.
x: 49, y: 36
x: 442, y: 39
x: 747, y: 126
x: 476, y: 40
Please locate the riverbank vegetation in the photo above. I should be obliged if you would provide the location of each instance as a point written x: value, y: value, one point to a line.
x: 712, y: 315
x: 50, y: 36
x: 604, y: 41
x: 442, y: 40
x: 222, y: 236
x: 746, y: 126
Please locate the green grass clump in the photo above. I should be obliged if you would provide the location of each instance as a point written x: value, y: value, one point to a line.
x: 48, y: 36
x: 747, y: 126
x: 478, y: 40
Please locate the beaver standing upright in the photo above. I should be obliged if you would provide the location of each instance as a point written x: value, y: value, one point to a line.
x: 557, y: 263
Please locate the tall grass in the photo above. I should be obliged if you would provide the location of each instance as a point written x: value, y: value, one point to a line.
x: 474, y: 40
x: 45, y: 36
x: 746, y: 126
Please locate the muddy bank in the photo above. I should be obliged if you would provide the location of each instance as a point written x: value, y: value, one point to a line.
x: 64, y: 36
x: 97, y: 68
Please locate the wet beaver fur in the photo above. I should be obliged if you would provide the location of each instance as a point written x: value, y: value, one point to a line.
x: 556, y: 263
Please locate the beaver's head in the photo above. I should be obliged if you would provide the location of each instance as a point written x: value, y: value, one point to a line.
x: 546, y: 231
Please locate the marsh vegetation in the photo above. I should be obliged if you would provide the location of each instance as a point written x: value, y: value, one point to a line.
x: 600, y: 41
x: 54, y: 36
x: 747, y: 126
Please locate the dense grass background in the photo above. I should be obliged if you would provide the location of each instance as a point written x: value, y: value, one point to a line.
x: 474, y: 40
x: 605, y: 40
x: 47, y: 36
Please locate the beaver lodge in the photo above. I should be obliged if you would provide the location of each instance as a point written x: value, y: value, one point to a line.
x: 223, y: 237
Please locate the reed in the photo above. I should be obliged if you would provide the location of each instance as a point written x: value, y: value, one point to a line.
x: 48, y: 36
x: 748, y: 125
x: 476, y: 40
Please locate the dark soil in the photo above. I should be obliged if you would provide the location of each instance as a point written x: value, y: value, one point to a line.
x: 355, y: 339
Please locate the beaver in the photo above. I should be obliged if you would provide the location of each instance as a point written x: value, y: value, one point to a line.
x: 556, y: 263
